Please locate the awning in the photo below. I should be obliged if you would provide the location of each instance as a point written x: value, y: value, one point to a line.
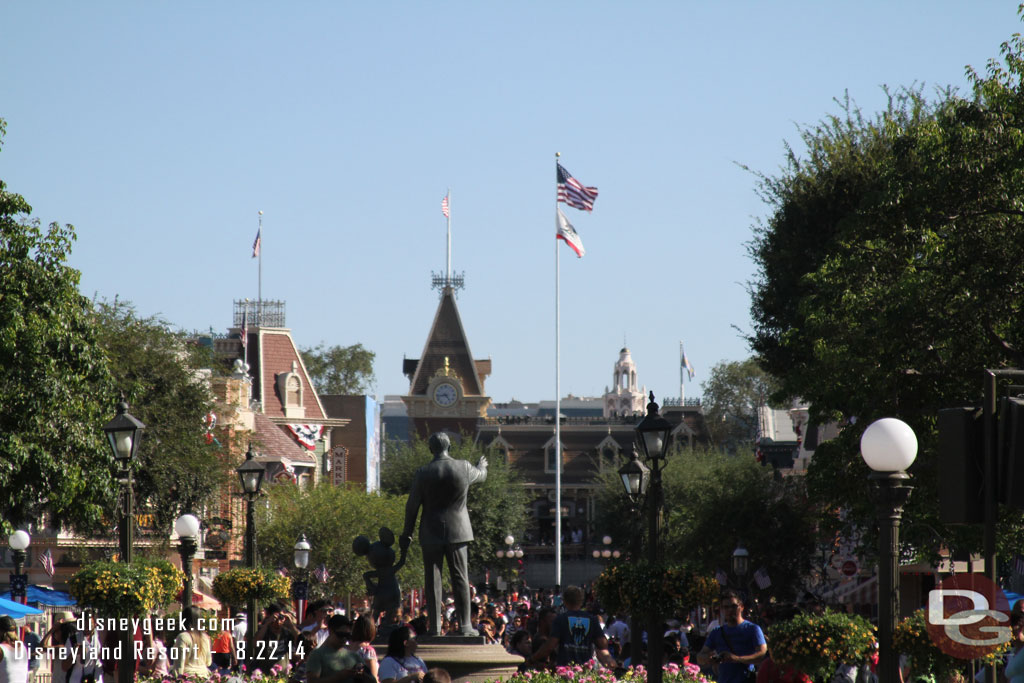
x: 17, y: 611
x: 855, y: 593
x: 44, y: 595
x: 203, y: 601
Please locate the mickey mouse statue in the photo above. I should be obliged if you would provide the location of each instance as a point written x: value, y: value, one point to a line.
x: 387, y: 596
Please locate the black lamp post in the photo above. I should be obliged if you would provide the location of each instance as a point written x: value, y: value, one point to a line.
x: 635, y: 478
x: 889, y: 446
x: 653, y: 434
x: 18, y: 543
x: 124, y: 433
x: 300, y: 588
x: 187, y: 528
x: 251, y: 476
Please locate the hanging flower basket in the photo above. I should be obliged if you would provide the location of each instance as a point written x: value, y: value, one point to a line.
x: 644, y: 589
x: 817, y: 644
x: 117, y: 589
x: 926, y: 659
x: 238, y: 586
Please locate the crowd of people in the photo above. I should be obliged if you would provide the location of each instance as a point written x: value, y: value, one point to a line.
x: 547, y: 628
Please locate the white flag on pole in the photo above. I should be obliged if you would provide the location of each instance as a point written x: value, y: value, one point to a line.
x: 568, y: 233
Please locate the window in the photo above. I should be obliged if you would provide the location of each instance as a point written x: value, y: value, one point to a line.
x: 550, y: 463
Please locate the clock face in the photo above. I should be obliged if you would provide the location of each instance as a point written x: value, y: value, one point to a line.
x: 445, y: 394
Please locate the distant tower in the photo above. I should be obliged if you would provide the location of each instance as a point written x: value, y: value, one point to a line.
x: 625, y: 396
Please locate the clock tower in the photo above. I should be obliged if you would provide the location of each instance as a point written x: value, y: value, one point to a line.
x: 446, y: 385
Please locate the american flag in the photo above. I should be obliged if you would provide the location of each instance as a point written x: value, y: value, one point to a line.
x: 46, y: 560
x: 444, y: 207
x: 761, y: 578
x: 256, y: 244
x: 721, y: 578
x: 321, y: 573
x: 573, y: 193
x: 245, y: 326
x: 282, y: 571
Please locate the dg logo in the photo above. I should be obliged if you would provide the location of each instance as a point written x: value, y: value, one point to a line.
x: 968, y: 616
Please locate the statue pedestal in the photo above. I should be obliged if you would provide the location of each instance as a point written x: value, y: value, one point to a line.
x: 466, y: 658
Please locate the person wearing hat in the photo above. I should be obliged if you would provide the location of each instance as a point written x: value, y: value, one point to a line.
x: 86, y: 666
x: 13, y: 660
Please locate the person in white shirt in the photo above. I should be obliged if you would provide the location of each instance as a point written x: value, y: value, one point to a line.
x: 400, y: 664
x: 13, y: 658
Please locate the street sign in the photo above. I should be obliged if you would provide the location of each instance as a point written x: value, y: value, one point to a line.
x: 850, y: 568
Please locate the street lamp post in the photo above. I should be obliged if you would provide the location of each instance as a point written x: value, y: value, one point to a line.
x: 607, y: 552
x: 187, y: 528
x: 653, y: 436
x: 300, y: 588
x: 18, y: 543
x: 124, y: 433
x: 250, y: 473
x: 512, y: 552
x: 889, y: 447
x: 635, y: 478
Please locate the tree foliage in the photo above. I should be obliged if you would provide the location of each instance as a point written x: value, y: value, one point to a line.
x: 713, y: 502
x: 497, y: 506
x: 53, y: 377
x: 889, y: 274
x: 331, y: 517
x: 733, y: 394
x: 162, y: 377
x: 340, y: 369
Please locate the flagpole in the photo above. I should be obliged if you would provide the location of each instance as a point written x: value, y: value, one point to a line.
x: 558, y: 412
x: 448, y: 263
x: 259, y: 283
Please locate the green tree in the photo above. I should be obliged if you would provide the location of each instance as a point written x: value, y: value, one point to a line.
x: 497, y: 506
x: 54, y: 380
x: 162, y: 376
x: 889, y: 276
x: 733, y: 394
x: 340, y: 369
x: 331, y: 517
x: 713, y: 502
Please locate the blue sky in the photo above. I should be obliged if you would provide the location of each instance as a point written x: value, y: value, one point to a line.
x: 159, y: 129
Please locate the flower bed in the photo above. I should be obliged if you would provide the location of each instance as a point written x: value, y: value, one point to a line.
x: 256, y: 676
x: 671, y: 673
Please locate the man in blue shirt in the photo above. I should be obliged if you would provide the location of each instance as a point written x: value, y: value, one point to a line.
x: 735, y: 646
